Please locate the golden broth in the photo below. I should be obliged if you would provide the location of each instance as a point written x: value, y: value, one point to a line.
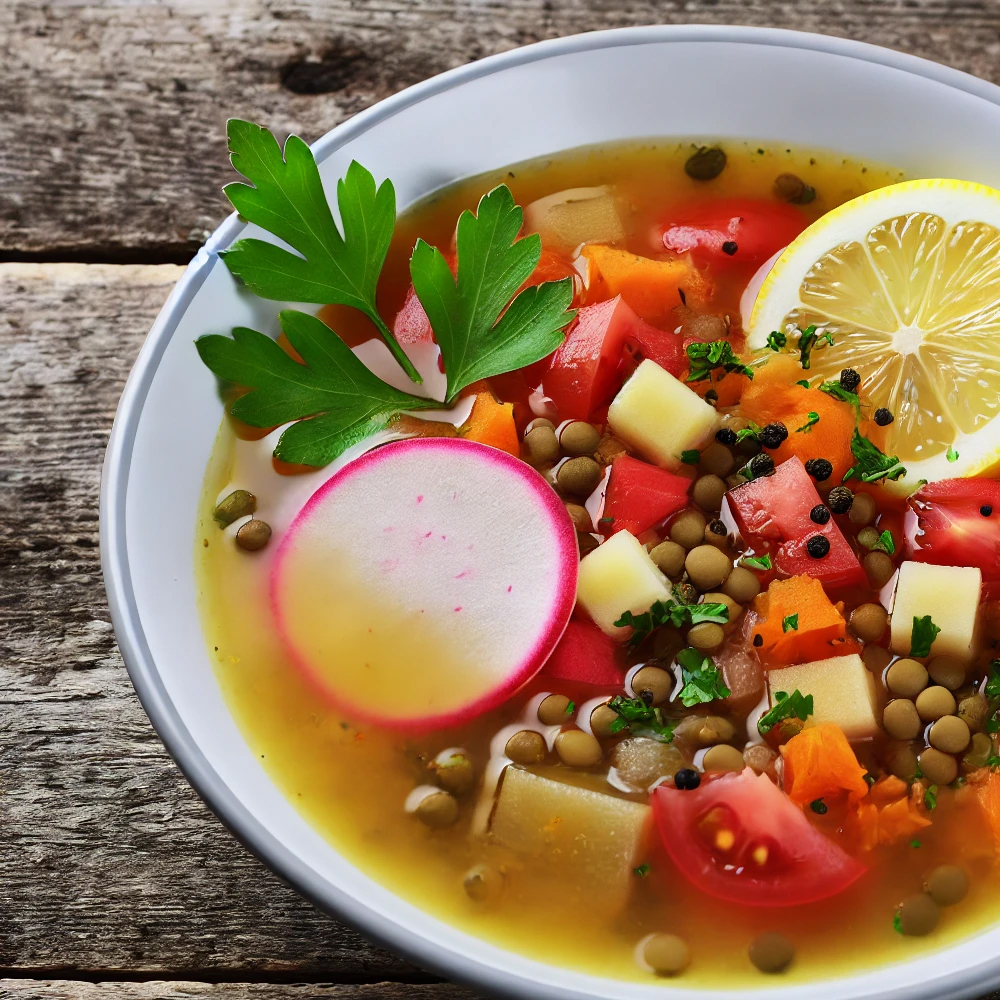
x: 351, y: 782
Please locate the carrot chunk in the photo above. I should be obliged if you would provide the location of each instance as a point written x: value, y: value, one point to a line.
x: 988, y: 794
x: 873, y: 825
x: 819, y: 763
x: 651, y: 287
x: 798, y: 623
x: 492, y: 423
x: 773, y: 396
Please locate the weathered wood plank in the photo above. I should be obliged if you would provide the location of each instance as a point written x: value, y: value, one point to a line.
x: 112, y: 113
x: 108, y: 860
x: 40, y: 989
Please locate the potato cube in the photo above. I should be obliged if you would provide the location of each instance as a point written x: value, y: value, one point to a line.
x: 619, y: 576
x: 660, y: 416
x: 578, y: 215
x: 590, y: 840
x: 843, y: 693
x: 949, y: 594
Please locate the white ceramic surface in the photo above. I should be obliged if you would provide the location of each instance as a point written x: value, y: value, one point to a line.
x: 764, y: 84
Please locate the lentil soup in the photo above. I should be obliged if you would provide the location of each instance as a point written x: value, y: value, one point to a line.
x: 762, y: 741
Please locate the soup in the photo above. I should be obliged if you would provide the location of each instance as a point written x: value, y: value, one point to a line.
x: 760, y: 739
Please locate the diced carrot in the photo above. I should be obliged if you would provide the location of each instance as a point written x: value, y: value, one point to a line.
x: 988, y: 794
x: 492, y: 423
x: 774, y: 396
x: 819, y: 763
x: 873, y: 826
x: 888, y: 789
x: 651, y: 287
x: 819, y: 631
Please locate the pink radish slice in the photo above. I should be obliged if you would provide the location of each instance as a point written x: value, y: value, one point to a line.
x: 424, y: 583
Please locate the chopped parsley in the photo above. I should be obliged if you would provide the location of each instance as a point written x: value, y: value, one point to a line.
x: 776, y: 340
x: 786, y: 706
x: 702, y: 679
x: 870, y: 463
x: 811, y: 421
x: 993, y: 762
x: 818, y: 806
x: 885, y: 543
x: 749, y: 433
x: 691, y: 457
x: 836, y: 390
x: 706, y: 358
x: 757, y: 562
x: 670, y: 613
x: 640, y: 719
x: 804, y: 382
x: 790, y: 623
x: 930, y: 797
x: 992, y: 692
x: 809, y: 340
x: 951, y: 454
x: 922, y: 636
x: 570, y: 707
x: 897, y: 923
x: 915, y: 843
x: 642, y: 871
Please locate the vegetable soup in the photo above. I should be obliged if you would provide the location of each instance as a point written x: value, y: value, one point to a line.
x: 608, y: 562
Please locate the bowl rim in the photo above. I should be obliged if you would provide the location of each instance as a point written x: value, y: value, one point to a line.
x: 132, y: 643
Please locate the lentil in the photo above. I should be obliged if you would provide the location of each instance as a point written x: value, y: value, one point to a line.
x: 863, y: 509
x: 879, y: 568
x: 526, y: 747
x: 947, y: 671
x: 918, y: 915
x: 771, y: 952
x: 688, y: 529
x: 541, y: 444
x: 716, y: 460
x: 658, y: 682
x: 949, y: 734
x: 669, y: 558
x: 723, y: 757
x: 578, y: 749
x: 253, y: 535
x: 706, y: 636
x: 579, y: 438
x: 869, y: 622
x: 579, y: 476
x: 437, y: 810
x: 938, y: 768
x: 947, y: 885
x: 934, y: 703
x: 706, y: 164
x: 901, y: 719
x: 741, y: 585
x: 708, y: 492
x: 707, y: 567
x: 666, y: 954
x: 554, y: 710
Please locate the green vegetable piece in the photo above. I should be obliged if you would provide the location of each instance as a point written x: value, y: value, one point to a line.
x: 790, y: 623
x: 818, y: 806
x: 930, y: 797
x: 951, y: 455
x: 812, y: 419
x: 776, y: 340
x: 640, y: 719
x: 913, y: 843
x: 479, y: 333
x: 702, y: 679
x: 809, y: 340
x: 691, y: 457
x: 757, y: 562
x: 570, y: 707
x: 786, y: 706
x: 870, y: 463
x: 922, y: 636
x: 836, y: 390
x: 993, y: 762
x: 345, y: 401
x: 285, y: 196
x: 803, y: 382
x: 897, y: 922
x: 642, y: 871
x: 885, y: 543
x: 749, y: 433
x: 706, y: 358
x: 238, y: 504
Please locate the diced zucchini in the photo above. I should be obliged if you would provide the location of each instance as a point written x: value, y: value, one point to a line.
x: 949, y: 594
x: 660, y: 416
x: 619, y: 576
x: 593, y: 840
x: 578, y: 215
x: 843, y: 693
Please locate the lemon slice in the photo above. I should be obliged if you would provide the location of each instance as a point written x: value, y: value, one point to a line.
x: 907, y: 280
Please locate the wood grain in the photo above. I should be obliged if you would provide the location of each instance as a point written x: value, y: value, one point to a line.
x: 112, y: 113
x: 108, y: 860
x: 35, y: 989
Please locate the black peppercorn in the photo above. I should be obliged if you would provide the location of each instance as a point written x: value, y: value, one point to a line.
x: 687, y: 778
x: 986, y: 509
x: 717, y: 527
x: 820, y: 514
x: 818, y: 806
x: 711, y: 397
x: 819, y: 468
x: 773, y: 435
x: 758, y: 640
x: 849, y: 380
x: 726, y: 436
x: 840, y: 500
x: 818, y: 546
x: 883, y: 417
x: 729, y: 248
x: 646, y: 697
x: 761, y: 465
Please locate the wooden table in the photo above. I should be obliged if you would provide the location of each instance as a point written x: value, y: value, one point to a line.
x: 115, y: 880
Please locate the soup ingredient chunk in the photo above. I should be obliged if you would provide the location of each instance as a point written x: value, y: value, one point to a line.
x: 947, y: 885
x: 590, y: 840
x: 946, y: 595
x: 842, y: 689
x: 666, y: 954
x: 820, y: 764
x: 253, y: 535
x: 641, y: 496
x: 239, y: 503
x: 739, y: 838
x: 771, y: 952
x: 660, y: 416
x: 917, y: 915
x: 454, y: 552
x: 568, y: 218
x: 584, y: 655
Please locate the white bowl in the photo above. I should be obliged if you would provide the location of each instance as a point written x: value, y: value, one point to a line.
x: 808, y: 90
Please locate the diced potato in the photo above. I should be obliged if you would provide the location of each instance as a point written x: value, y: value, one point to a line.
x: 578, y: 215
x: 660, y: 416
x: 592, y: 840
x: 843, y: 693
x: 949, y: 594
x: 619, y: 576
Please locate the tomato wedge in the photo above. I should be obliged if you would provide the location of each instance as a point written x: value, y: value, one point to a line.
x: 738, y: 837
x: 585, y: 655
x: 640, y: 496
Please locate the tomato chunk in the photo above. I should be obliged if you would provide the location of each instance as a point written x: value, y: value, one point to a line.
x: 775, y: 509
x: 758, y: 227
x: 585, y: 655
x: 946, y: 525
x: 640, y: 496
x: 741, y: 839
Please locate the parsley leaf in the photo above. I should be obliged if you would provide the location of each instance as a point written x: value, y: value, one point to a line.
x: 803, y: 382
x: 786, y: 706
x: 478, y: 332
x: 992, y: 689
x: 922, y: 636
x: 897, y: 922
x: 776, y: 340
x: 749, y: 433
x: 836, y: 390
x: 691, y: 457
x: 757, y: 562
x: 285, y: 196
x: 570, y: 707
x: 930, y: 797
x: 811, y: 421
x: 345, y: 401
x: 642, y: 871
x: 885, y: 543
x: 670, y: 613
x: 702, y: 679
x: 790, y: 623
x: 951, y: 454
x: 993, y: 762
x: 640, y: 719
x: 870, y: 463
x: 705, y: 358
x: 809, y: 340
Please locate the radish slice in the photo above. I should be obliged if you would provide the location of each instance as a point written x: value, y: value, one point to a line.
x: 424, y: 583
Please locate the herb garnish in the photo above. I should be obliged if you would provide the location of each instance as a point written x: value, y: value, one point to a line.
x: 804, y: 383
x: 702, y: 679
x: 922, y: 636
x: 705, y: 358
x: 786, y: 706
x: 640, y: 719
x: 670, y: 613
x: 570, y: 707
x: 809, y: 340
x: 776, y: 340
x: 951, y: 454
x: 790, y: 623
x: 885, y: 543
x: 691, y: 457
x: 930, y: 797
x: 915, y: 843
x: 897, y: 922
x: 870, y: 462
x: 836, y: 390
x: 993, y: 762
x: 992, y: 692
x: 749, y: 433
x: 811, y: 421
x: 757, y: 562
x: 642, y: 871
